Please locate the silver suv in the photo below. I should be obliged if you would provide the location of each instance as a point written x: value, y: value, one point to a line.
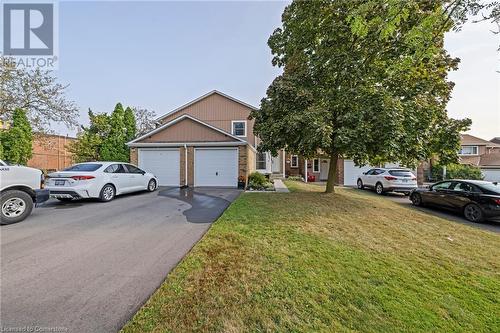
x: 388, y: 180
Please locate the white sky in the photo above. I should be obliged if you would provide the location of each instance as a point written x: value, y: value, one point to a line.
x: 477, y: 81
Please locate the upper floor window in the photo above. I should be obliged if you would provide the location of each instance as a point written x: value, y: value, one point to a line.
x: 468, y: 150
x: 239, y: 127
x: 294, y: 161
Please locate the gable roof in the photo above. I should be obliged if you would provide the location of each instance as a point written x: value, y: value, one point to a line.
x: 469, y: 140
x: 203, y: 97
x: 178, y: 119
x: 496, y: 140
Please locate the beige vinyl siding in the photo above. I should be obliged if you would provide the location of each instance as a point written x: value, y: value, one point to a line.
x: 219, y: 112
x: 187, y: 130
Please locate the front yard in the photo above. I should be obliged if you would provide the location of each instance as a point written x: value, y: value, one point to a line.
x: 308, y: 261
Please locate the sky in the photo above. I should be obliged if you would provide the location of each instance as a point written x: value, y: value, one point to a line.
x: 160, y: 55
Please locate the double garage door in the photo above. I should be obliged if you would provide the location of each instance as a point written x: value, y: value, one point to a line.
x: 212, y: 166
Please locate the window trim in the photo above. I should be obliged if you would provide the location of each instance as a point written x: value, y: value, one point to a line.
x: 469, y: 146
x: 291, y: 161
x: 319, y: 165
x: 244, y: 129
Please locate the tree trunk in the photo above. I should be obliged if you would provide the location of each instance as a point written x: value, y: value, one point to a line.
x: 332, y: 173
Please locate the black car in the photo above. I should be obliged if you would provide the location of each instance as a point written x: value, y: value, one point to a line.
x: 477, y: 200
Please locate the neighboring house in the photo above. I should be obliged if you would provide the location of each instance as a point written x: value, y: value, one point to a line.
x: 206, y: 142
x: 50, y: 152
x: 496, y: 140
x: 481, y: 153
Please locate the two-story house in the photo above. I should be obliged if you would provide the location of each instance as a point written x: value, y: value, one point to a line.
x: 481, y: 153
x: 206, y: 142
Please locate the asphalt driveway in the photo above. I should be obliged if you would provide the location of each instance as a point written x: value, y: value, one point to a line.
x: 88, y: 266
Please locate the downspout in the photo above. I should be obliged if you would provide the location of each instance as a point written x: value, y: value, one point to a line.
x: 185, y: 165
x: 305, y: 171
x: 284, y: 162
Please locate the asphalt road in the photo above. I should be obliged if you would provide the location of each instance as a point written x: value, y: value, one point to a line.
x: 492, y: 225
x: 89, y: 266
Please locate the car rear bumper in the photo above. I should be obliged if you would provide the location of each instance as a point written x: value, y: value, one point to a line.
x: 402, y: 189
x: 69, y: 193
x: 42, y: 195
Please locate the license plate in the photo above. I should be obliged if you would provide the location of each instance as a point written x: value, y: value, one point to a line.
x: 59, y: 183
x: 405, y: 180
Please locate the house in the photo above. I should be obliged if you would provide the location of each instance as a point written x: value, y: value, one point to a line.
x: 50, y: 152
x: 206, y: 142
x: 481, y: 153
x: 210, y: 142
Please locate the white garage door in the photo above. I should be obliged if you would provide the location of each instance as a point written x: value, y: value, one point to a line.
x: 216, y: 167
x: 163, y: 163
x: 491, y: 175
x: 352, y: 172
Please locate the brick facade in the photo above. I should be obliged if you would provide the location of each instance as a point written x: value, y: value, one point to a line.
x: 50, y: 152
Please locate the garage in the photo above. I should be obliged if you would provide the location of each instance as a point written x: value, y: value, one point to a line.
x: 216, y: 167
x: 163, y: 163
x: 352, y: 172
x: 491, y: 175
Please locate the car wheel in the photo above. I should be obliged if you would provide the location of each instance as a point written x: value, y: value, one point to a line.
x: 16, y: 206
x: 379, y: 188
x: 108, y: 193
x: 360, y: 184
x: 416, y: 199
x: 152, y: 185
x: 473, y: 213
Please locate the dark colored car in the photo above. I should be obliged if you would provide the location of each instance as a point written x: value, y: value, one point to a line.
x: 477, y: 200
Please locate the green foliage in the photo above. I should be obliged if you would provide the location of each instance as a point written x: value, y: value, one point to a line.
x: 17, y: 141
x: 295, y: 178
x: 88, y: 146
x: 457, y: 171
x: 370, y: 85
x: 258, y: 181
x: 114, y: 146
x: 130, y: 124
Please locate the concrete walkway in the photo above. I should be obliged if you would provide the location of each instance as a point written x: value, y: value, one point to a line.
x: 279, y: 186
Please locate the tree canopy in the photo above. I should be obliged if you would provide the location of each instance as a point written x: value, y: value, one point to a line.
x: 17, y: 140
x: 365, y: 80
x: 38, y: 93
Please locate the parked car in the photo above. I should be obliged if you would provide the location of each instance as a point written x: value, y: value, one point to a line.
x: 20, y: 189
x: 477, y: 200
x: 388, y: 180
x: 102, y: 180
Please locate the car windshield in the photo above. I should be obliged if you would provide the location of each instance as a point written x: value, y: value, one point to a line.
x: 84, y: 167
x: 401, y: 173
x: 493, y: 187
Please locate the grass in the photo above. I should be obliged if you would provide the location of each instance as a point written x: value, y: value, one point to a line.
x: 344, y: 262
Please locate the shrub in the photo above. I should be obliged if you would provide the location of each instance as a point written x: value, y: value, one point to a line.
x: 457, y: 171
x: 299, y: 178
x: 258, y: 181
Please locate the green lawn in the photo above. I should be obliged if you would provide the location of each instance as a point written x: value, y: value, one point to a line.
x: 344, y: 262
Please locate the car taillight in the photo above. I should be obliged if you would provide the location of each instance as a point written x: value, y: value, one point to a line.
x: 497, y: 201
x: 413, y: 178
x: 390, y: 177
x: 82, y: 177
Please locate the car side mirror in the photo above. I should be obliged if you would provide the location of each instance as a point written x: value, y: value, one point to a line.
x: 364, y: 173
x: 143, y: 172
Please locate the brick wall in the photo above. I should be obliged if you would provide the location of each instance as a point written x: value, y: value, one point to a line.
x: 50, y: 152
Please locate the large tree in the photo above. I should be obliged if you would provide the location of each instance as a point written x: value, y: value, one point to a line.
x: 114, y: 146
x: 145, y: 120
x: 90, y: 139
x: 39, y: 93
x: 130, y: 124
x: 365, y: 80
x: 17, y: 140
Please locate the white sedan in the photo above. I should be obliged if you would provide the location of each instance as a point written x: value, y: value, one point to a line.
x: 102, y: 180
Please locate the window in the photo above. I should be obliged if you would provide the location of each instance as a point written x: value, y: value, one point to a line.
x: 261, y: 161
x: 464, y: 187
x: 115, y: 168
x: 441, y: 186
x: 239, y: 128
x: 84, y: 167
x: 294, y: 161
x: 378, y: 172
x: 401, y: 173
x: 468, y: 150
x: 316, y: 167
x: 133, y: 169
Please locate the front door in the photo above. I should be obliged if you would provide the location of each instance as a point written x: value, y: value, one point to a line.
x: 325, y: 167
x: 276, y: 164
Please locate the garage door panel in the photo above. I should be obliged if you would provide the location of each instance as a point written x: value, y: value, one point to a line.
x: 163, y: 163
x: 352, y: 172
x: 491, y: 175
x: 216, y: 167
